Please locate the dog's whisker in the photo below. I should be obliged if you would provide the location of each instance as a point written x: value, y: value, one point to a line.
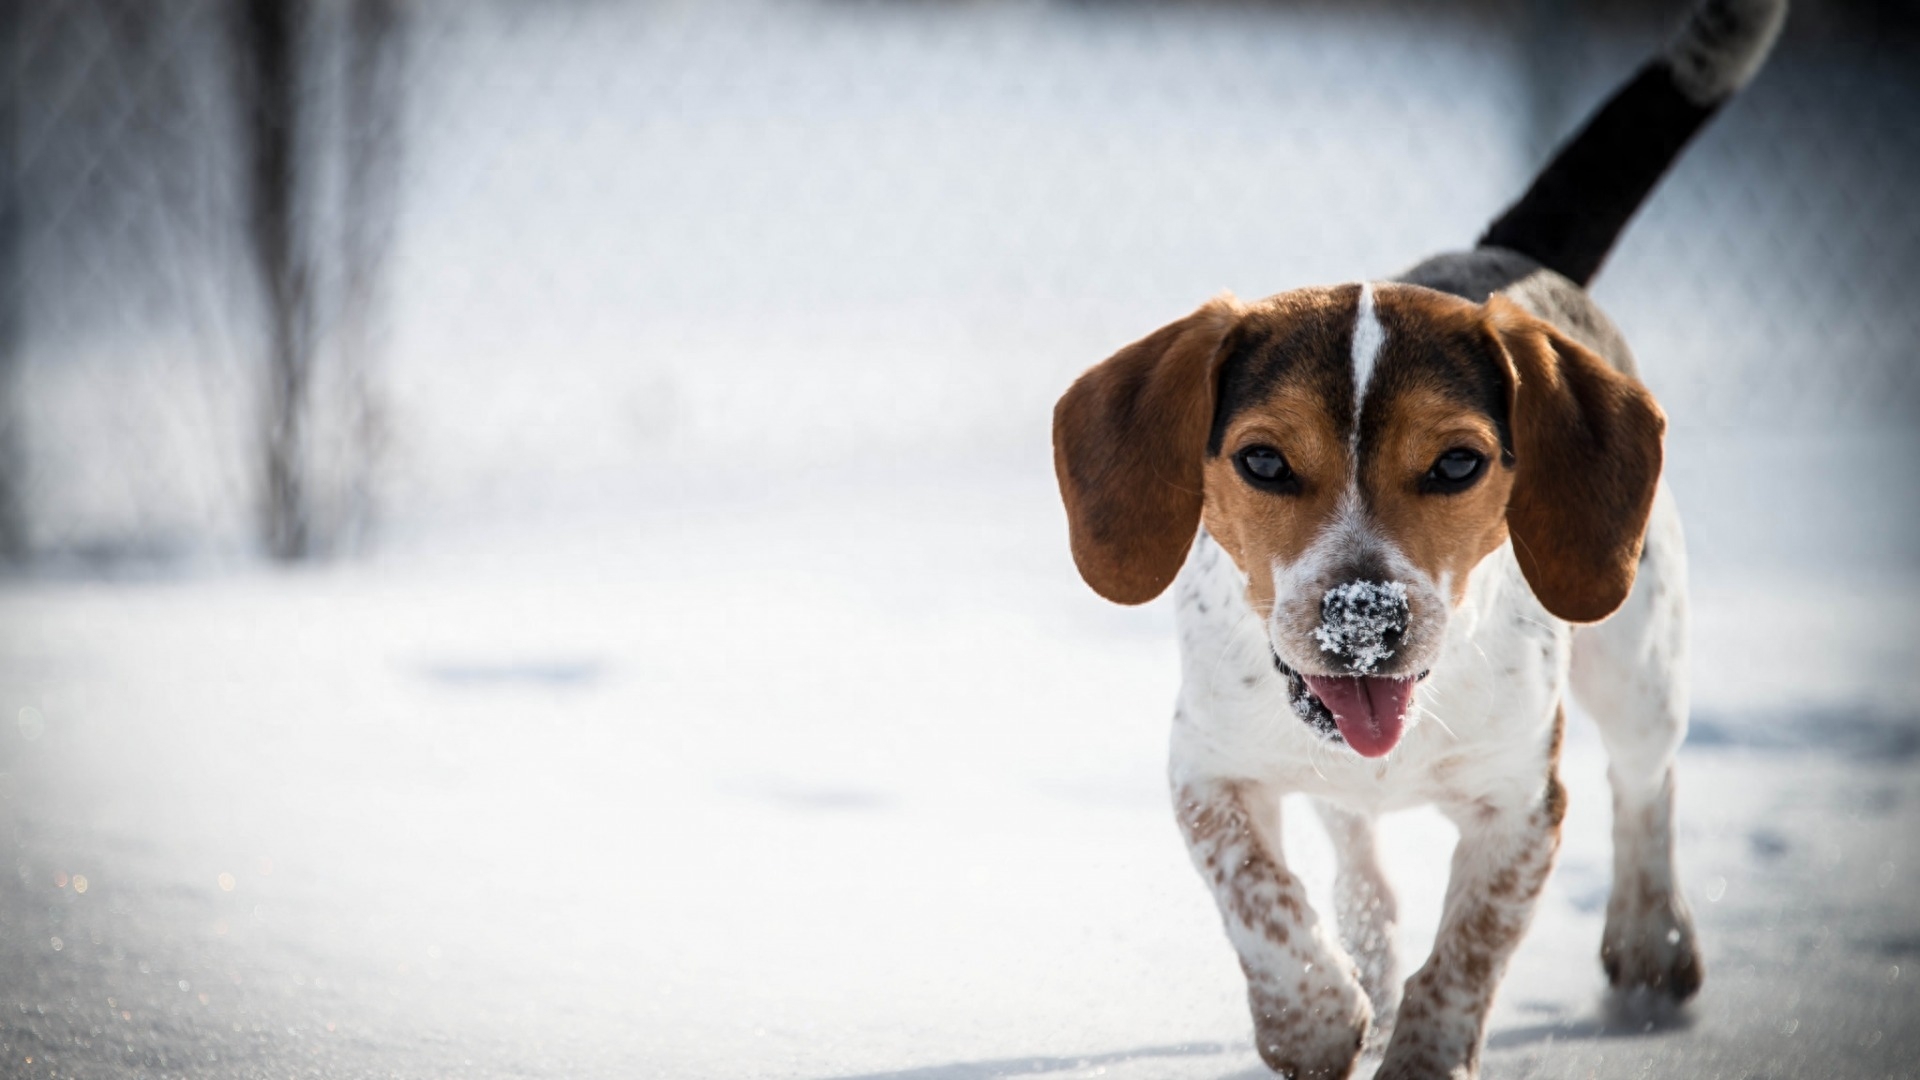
x: 1444, y: 726
x: 1314, y: 750
x: 1484, y: 658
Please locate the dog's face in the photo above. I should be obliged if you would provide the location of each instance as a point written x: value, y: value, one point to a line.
x: 1357, y: 451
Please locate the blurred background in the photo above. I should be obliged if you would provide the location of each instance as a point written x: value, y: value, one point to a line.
x: 530, y: 544
x: 362, y: 268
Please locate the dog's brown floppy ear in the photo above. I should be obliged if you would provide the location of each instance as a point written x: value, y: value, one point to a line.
x: 1587, y: 454
x: 1128, y: 438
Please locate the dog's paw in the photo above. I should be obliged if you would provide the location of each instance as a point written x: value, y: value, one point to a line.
x: 1432, y: 1042
x: 1652, y: 949
x: 1312, y: 1033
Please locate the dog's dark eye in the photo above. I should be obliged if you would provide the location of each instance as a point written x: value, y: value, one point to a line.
x: 1267, y: 469
x: 1455, y: 470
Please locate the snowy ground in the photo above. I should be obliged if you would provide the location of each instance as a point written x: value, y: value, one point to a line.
x: 851, y: 779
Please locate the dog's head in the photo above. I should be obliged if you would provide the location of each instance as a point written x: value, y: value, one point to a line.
x: 1357, y: 451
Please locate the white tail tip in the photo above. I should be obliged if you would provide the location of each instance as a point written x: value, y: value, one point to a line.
x: 1722, y: 45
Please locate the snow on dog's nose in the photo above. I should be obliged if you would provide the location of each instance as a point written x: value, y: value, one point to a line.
x: 1361, y: 623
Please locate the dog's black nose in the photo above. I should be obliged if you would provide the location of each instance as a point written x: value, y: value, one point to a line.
x: 1362, y: 622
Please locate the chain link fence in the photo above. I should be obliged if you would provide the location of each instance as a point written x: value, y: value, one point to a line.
x: 633, y: 243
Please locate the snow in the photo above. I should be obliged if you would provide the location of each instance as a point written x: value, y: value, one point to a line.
x: 850, y: 779
x: 1366, y: 611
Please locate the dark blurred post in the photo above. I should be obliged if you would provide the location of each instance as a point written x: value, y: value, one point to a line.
x: 374, y: 69
x: 267, y: 51
x: 13, y: 510
x: 314, y: 507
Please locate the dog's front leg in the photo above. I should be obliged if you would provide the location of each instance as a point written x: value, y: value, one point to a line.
x: 1499, y: 867
x: 1309, y: 1013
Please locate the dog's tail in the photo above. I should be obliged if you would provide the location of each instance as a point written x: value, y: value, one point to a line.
x: 1579, y: 204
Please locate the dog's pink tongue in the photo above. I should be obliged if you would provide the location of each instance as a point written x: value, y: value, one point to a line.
x: 1370, y: 710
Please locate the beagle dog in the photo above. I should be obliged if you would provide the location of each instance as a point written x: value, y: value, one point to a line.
x: 1403, y: 519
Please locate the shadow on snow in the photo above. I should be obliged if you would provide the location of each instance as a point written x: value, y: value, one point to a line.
x: 1039, y: 1066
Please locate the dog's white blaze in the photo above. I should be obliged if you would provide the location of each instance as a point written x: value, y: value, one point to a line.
x: 1368, y: 337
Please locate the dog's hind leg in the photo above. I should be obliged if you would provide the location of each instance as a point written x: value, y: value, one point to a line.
x: 1365, y: 910
x: 1309, y: 1014
x: 1629, y: 672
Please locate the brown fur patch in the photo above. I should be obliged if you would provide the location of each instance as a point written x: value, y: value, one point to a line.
x: 1555, y: 802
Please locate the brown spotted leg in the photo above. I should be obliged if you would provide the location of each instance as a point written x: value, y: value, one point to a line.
x: 1309, y: 1014
x: 1366, y: 912
x: 1499, y: 867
